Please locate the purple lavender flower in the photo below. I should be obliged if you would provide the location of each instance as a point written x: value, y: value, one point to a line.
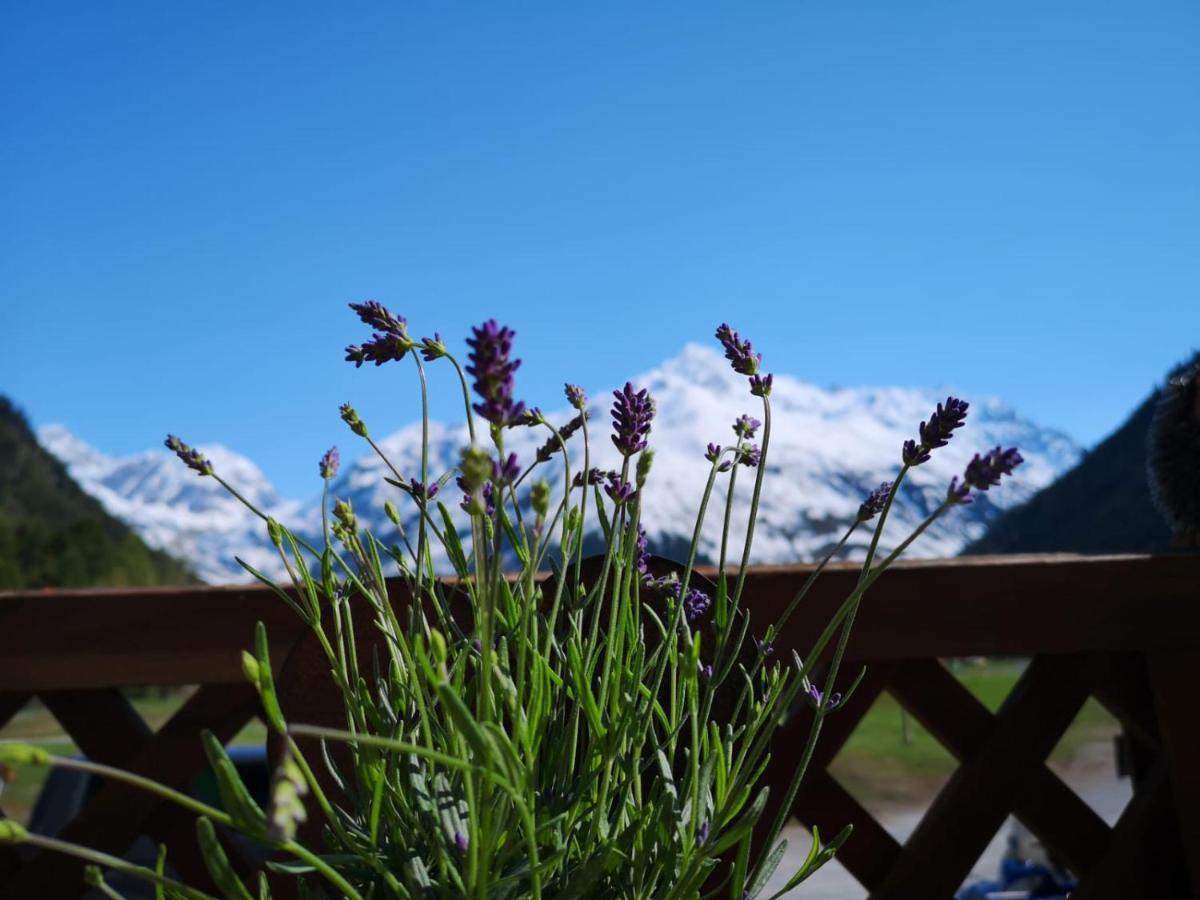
x: 575, y: 396
x: 422, y: 491
x: 936, y: 432
x: 618, y: 491
x: 381, y: 318
x: 531, y: 417
x: 913, y: 454
x: 695, y: 605
x: 745, y: 427
x: 552, y: 444
x: 958, y: 492
x: 485, y: 507
x: 330, y: 462
x: 764, y: 648
x: 816, y: 696
x: 389, y: 342
x: 986, y: 471
x: 508, y: 472
x: 191, y: 457
x: 631, y: 413
x: 875, y: 502
x: 706, y: 671
x: 493, y: 371
x: 592, y: 476
x: 461, y: 844
x: 713, y: 453
x: 749, y: 455
x: 643, y: 552
x: 702, y: 834
x: 433, y: 348
x: 760, y: 386
x: 665, y: 585
x: 745, y: 361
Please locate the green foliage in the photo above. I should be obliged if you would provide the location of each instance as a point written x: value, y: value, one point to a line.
x: 533, y: 724
x: 52, y: 534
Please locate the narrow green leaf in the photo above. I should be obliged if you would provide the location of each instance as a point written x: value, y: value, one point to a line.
x: 217, y: 863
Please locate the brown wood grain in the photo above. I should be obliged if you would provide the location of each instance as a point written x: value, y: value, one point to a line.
x: 1000, y: 606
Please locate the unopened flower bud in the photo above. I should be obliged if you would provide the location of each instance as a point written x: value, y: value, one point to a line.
x: 539, y: 497
x: 189, y: 456
x: 344, y: 513
x: 476, y: 468
x: 250, y: 668
x: 642, y: 472
x: 350, y: 417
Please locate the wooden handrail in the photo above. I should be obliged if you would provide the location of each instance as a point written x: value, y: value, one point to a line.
x: 1125, y: 629
x: 977, y: 606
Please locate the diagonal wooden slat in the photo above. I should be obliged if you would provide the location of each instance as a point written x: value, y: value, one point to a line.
x: 1125, y: 692
x: 118, y: 813
x: 102, y: 722
x: 1144, y: 858
x: 12, y: 703
x: 978, y: 797
x: 788, y: 743
x: 962, y: 724
x: 871, y: 850
x: 1173, y: 679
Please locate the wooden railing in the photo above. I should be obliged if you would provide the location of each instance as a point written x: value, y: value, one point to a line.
x: 1125, y: 630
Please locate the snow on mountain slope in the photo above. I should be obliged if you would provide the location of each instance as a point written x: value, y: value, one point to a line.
x: 174, y: 509
x: 828, y: 449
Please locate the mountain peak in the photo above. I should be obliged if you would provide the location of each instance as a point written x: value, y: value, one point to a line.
x: 829, y: 448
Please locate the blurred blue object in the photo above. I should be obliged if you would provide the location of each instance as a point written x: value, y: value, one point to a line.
x: 1025, y: 874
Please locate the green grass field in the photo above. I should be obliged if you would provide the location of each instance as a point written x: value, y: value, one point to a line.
x: 886, y: 759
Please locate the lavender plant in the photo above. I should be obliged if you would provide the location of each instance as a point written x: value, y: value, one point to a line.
x: 591, y: 728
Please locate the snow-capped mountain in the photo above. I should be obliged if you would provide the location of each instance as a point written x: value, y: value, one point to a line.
x: 175, y: 510
x: 828, y: 449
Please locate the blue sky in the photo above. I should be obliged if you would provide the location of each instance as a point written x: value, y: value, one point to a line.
x: 999, y: 197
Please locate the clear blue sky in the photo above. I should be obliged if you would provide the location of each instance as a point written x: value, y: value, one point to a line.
x: 1001, y: 197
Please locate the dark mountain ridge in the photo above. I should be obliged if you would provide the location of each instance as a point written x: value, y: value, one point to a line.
x: 1102, y: 505
x: 53, y: 534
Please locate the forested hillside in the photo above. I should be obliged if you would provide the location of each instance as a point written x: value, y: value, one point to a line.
x: 52, y: 534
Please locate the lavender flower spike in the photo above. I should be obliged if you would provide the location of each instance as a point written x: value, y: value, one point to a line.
x: 433, y: 348
x: 389, y: 342
x: 713, y: 453
x: 191, y: 457
x: 936, y: 432
x: 695, y: 605
x: 421, y: 490
x: 986, y: 471
x: 330, y: 462
x: 745, y: 361
x: 749, y: 455
x: 381, y: 318
x: 958, y: 492
x: 491, y: 346
x: 508, y: 471
x: 632, y: 413
x: 873, y: 505
x: 575, y: 396
x: 760, y: 386
x: 618, y: 491
x: 746, y: 426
